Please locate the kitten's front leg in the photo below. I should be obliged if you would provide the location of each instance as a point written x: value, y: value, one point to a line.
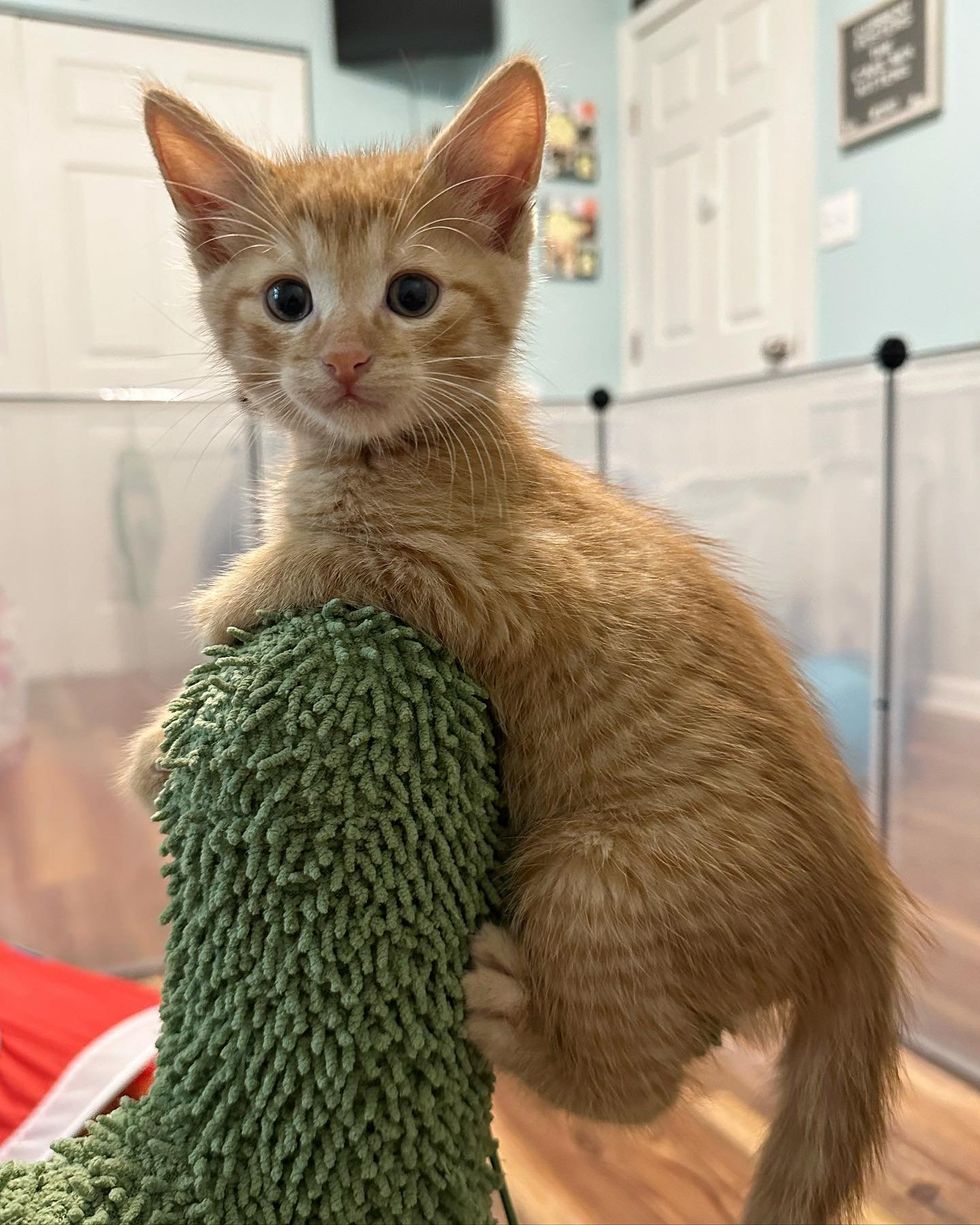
x: 140, y: 774
x: 272, y: 578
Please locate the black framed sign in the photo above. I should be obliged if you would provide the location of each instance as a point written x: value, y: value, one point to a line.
x: 890, y: 62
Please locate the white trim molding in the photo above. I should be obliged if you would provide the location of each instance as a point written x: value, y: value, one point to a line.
x: 953, y: 695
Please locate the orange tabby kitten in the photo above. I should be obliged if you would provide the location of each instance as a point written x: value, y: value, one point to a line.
x: 689, y: 853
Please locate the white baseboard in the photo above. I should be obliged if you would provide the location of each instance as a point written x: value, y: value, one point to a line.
x: 953, y: 695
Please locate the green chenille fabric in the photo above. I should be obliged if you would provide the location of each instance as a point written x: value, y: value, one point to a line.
x: 333, y: 821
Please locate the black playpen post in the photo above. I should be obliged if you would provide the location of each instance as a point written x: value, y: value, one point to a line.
x: 891, y: 355
x: 600, y: 399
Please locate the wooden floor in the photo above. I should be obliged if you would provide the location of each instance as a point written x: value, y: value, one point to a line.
x: 80, y: 862
x: 694, y: 1167
x: 80, y: 880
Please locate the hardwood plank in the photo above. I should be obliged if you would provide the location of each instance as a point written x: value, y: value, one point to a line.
x: 79, y: 862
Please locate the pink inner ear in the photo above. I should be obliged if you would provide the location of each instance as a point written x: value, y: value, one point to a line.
x: 205, y: 177
x: 201, y: 179
x: 203, y: 204
x: 200, y: 168
x: 495, y: 147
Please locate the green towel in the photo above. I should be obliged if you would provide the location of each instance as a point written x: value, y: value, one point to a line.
x: 334, y: 821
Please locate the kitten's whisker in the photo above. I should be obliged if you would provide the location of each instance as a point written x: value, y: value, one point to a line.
x: 440, y: 224
x: 215, y: 402
x: 467, y: 357
x: 226, y: 237
x: 469, y: 467
x: 447, y: 380
x: 182, y: 446
x: 444, y: 402
x: 228, y: 394
x: 207, y: 377
x: 174, y: 424
x: 476, y: 178
x: 469, y: 220
x: 428, y: 446
x: 461, y: 396
x: 457, y: 407
x: 248, y: 230
x: 449, y: 326
x: 437, y: 425
x: 160, y: 311
x: 207, y: 446
x: 403, y: 204
x: 454, y: 230
x: 480, y: 448
x: 256, y: 246
x: 504, y: 471
x: 452, y: 438
x: 269, y: 229
x: 469, y: 378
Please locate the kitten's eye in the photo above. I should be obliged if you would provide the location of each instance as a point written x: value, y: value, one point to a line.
x: 289, y: 300
x: 412, y: 295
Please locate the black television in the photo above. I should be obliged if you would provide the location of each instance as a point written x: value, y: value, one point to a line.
x: 373, y: 31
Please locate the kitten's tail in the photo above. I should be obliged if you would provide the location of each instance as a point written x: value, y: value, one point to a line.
x: 839, y: 1073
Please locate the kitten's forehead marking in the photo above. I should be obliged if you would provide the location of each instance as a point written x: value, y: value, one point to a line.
x: 346, y: 268
x: 314, y: 256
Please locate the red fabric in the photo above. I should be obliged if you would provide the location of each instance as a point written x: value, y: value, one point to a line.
x: 49, y: 1012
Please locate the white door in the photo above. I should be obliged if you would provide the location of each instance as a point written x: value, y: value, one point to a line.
x: 717, y: 187
x: 118, y: 295
x: 21, y: 323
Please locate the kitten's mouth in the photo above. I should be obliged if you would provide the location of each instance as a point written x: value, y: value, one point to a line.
x: 351, y: 399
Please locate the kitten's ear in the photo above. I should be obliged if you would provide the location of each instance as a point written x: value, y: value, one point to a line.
x: 210, y: 176
x: 494, y: 146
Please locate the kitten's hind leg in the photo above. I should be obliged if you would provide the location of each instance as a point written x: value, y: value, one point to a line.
x: 623, y: 963
x: 594, y: 1056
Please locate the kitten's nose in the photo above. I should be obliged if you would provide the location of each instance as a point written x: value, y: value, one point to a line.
x: 347, y: 365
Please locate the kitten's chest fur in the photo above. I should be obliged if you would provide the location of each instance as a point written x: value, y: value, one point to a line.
x: 504, y: 574
x: 408, y: 537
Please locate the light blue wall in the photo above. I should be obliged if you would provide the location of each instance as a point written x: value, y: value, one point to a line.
x: 573, y: 340
x: 915, y: 268
x: 572, y: 343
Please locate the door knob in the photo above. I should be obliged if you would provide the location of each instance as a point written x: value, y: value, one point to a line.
x: 776, y: 349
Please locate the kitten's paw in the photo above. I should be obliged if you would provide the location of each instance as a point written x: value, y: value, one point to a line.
x: 140, y: 773
x: 215, y: 615
x: 496, y: 996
